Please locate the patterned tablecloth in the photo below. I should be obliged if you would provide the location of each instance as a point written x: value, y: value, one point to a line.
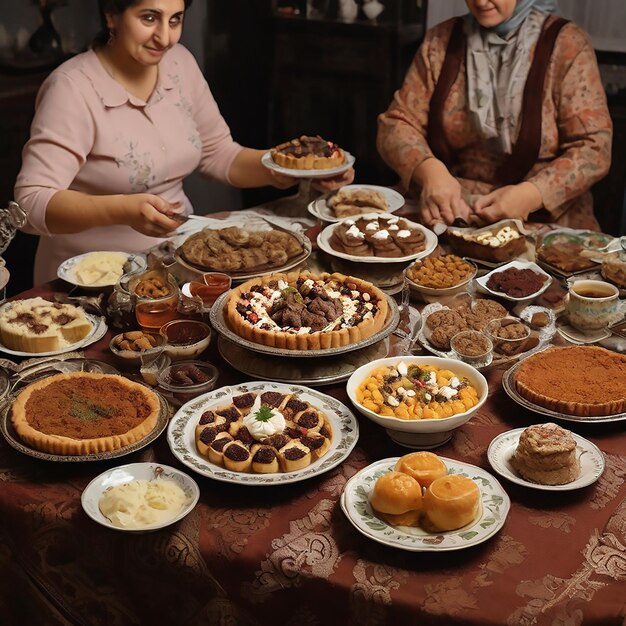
x: 287, y: 555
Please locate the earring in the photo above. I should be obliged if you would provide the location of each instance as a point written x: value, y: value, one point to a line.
x: 111, y: 38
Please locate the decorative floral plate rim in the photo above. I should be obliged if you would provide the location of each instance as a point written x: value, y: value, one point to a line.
x: 503, y: 446
x: 64, y: 270
x: 268, y: 162
x: 121, y: 474
x: 320, y: 209
x: 181, y: 431
x: 495, y: 507
x: 220, y: 325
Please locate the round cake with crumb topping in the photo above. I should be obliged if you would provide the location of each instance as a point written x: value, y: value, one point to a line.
x: 84, y: 413
x: 306, y: 311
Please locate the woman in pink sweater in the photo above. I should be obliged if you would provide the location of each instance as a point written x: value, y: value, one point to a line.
x: 116, y: 131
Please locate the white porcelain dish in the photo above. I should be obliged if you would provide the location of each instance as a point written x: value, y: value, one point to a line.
x: 67, y: 269
x: 502, y: 448
x: 482, y: 281
x: 319, y: 207
x: 323, y: 241
x: 98, y: 330
x: 181, y: 434
x: 423, y: 433
x: 123, y: 474
x: 494, y: 500
x: 268, y: 162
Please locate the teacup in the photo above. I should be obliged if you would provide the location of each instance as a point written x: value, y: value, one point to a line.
x: 591, y: 304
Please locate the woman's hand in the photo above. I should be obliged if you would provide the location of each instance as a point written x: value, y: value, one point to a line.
x: 281, y: 181
x: 441, y: 199
x: 150, y: 215
x: 512, y: 201
x: 335, y: 182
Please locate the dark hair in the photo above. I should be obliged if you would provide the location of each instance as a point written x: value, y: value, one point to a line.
x: 114, y: 7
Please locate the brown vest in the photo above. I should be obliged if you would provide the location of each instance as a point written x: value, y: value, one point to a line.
x: 526, y: 149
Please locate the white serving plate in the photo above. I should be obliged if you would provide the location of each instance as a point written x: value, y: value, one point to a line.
x: 482, y: 281
x: 268, y: 162
x: 98, y: 330
x: 323, y: 241
x: 137, y: 471
x: 494, y: 500
x: 320, y: 209
x: 181, y: 434
x: 447, y: 291
x: 67, y: 269
x: 503, y: 446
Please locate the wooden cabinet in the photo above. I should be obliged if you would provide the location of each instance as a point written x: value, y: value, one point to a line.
x: 333, y: 78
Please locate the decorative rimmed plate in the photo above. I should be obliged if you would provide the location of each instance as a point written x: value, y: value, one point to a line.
x: 495, y: 507
x: 503, y: 446
x: 181, y: 434
x: 123, y: 474
x: 508, y: 383
x: 13, y: 439
x: 313, y: 372
x: 320, y: 209
x: 237, y: 276
x: 519, y: 265
x: 98, y: 330
x: 67, y: 269
x: 220, y: 325
x: 268, y: 162
x: 544, y: 335
x: 430, y: 243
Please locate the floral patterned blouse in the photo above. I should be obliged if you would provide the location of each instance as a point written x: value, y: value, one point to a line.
x: 576, y: 127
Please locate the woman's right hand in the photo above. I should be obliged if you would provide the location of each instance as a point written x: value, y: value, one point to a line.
x: 151, y: 215
x: 441, y: 199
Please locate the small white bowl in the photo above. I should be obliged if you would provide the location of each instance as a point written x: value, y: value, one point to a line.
x: 482, y: 281
x: 92, y: 493
x: 137, y: 358
x: 424, y: 433
x: 446, y: 291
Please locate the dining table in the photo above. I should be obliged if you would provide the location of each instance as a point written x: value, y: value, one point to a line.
x: 286, y: 554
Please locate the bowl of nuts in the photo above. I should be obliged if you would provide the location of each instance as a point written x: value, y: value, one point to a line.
x: 186, y: 380
x: 442, y: 275
x: 137, y: 347
x: 418, y: 400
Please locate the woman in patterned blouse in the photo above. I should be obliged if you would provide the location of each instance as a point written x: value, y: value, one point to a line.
x: 502, y: 114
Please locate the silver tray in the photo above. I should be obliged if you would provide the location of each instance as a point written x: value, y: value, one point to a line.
x: 13, y: 439
x: 508, y: 383
x: 220, y: 325
x: 311, y: 372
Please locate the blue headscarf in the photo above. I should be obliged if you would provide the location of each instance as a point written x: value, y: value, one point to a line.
x: 522, y: 9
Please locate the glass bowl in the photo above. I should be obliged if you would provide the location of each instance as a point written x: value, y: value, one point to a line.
x: 508, y: 335
x: 472, y: 347
x: 186, y: 380
x: 185, y: 339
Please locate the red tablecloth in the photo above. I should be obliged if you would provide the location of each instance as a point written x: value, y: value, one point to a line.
x: 287, y: 554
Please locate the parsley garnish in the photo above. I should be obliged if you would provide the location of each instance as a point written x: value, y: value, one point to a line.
x: 264, y: 414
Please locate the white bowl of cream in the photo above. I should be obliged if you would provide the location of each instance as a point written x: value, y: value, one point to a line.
x: 140, y: 497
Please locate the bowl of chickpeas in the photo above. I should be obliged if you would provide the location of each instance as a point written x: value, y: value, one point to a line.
x: 440, y: 275
x: 419, y: 401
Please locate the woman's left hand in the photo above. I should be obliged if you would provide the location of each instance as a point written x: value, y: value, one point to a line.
x: 512, y: 201
x: 335, y: 182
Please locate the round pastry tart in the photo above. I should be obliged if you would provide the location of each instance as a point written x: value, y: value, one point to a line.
x: 306, y: 312
x: 577, y: 380
x: 84, y: 413
x: 308, y: 153
x: 263, y: 433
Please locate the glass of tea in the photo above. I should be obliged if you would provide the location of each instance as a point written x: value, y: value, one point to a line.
x: 212, y: 285
x: 156, y: 301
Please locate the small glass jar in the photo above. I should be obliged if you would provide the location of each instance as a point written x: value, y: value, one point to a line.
x: 156, y: 296
x: 213, y: 285
x: 508, y: 335
x: 186, y: 380
x: 472, y: 347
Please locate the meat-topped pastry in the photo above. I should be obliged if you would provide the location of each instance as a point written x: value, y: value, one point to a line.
x: 263, y: 433
x: 306, y: 311
x: 308, y: 153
